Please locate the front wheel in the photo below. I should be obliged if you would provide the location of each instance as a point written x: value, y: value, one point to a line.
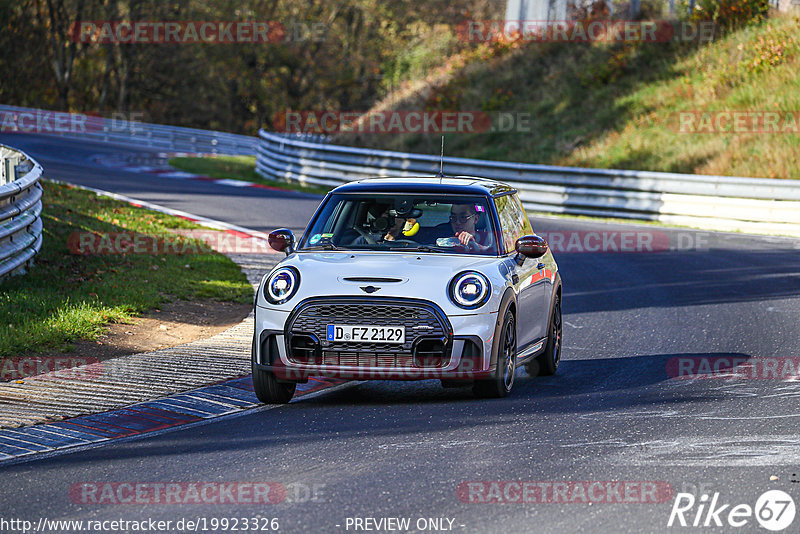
x: 547, y: 362
x: 269, y: 390
x: 501, y: 383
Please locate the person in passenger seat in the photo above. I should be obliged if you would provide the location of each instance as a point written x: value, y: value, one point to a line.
x: 463, y: 225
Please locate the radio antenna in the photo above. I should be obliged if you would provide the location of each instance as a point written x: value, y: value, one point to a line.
x: 441, y: 162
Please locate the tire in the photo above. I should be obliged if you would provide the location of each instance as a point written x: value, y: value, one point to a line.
x: 546, y: 364
x: 269, y: 390
x: 503, y: 380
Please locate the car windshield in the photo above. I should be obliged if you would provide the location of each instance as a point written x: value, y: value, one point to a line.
x: 418, y: 222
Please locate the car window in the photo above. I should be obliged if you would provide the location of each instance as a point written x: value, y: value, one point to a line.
x: 527, y: 228
x: 434, y: 215
x: 514, y: 222
x: 430, y: 223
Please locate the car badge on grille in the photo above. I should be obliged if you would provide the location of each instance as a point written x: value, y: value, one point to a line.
x: 369, y: 289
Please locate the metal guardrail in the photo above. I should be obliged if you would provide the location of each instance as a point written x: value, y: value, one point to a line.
x: 20, y: 211
x: 79, y: 126
x: 756, y: 205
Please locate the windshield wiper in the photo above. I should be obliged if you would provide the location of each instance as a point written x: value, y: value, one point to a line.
x: 420, y: 248
x: 326, y: 246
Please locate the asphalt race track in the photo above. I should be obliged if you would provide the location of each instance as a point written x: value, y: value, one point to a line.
x: 615, y: 412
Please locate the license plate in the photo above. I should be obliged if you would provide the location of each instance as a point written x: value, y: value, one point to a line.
x: 366, y: 333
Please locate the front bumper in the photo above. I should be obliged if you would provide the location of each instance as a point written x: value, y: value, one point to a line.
x: 450, y: 347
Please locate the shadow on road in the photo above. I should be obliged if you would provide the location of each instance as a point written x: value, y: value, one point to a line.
x: 401, y: 411
x: 610, y: 282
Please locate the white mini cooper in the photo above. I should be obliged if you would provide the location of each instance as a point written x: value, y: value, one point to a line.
x: 409, y: 279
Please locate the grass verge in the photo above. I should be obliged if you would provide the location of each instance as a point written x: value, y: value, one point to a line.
x: 66, y: 297
x: 238, y: 168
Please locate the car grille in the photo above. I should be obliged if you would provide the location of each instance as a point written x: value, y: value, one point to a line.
x: 367, y: 359
x: 419, y: 319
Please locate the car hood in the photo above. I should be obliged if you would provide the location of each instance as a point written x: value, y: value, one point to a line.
x: 419, y: 275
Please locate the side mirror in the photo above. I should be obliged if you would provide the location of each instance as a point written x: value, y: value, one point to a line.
x: 282, y: 240
x: 531, y: 246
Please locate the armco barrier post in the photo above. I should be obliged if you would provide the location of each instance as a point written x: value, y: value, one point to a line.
x: 9, y: 169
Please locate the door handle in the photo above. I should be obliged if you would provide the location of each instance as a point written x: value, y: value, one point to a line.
x: 515, y: 278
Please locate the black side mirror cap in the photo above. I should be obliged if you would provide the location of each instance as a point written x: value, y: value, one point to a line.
x: 531, y: 246
x: 282, y: 240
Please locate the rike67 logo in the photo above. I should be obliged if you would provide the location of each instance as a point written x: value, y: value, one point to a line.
x: 774, y: 510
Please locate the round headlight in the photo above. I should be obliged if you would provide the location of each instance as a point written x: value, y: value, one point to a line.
x: 470, y: 290
x: 281, y: 285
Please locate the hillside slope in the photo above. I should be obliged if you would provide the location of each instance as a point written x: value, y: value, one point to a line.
x: 618, y: 106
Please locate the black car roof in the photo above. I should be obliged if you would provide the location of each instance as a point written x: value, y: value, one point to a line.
x: 459, y: 185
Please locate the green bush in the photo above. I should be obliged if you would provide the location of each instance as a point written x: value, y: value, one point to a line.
x: 732, y: 14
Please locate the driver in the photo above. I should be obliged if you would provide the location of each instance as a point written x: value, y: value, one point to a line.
x: 379, y: 227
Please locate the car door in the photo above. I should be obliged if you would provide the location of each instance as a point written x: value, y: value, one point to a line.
x: 527, y: 275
